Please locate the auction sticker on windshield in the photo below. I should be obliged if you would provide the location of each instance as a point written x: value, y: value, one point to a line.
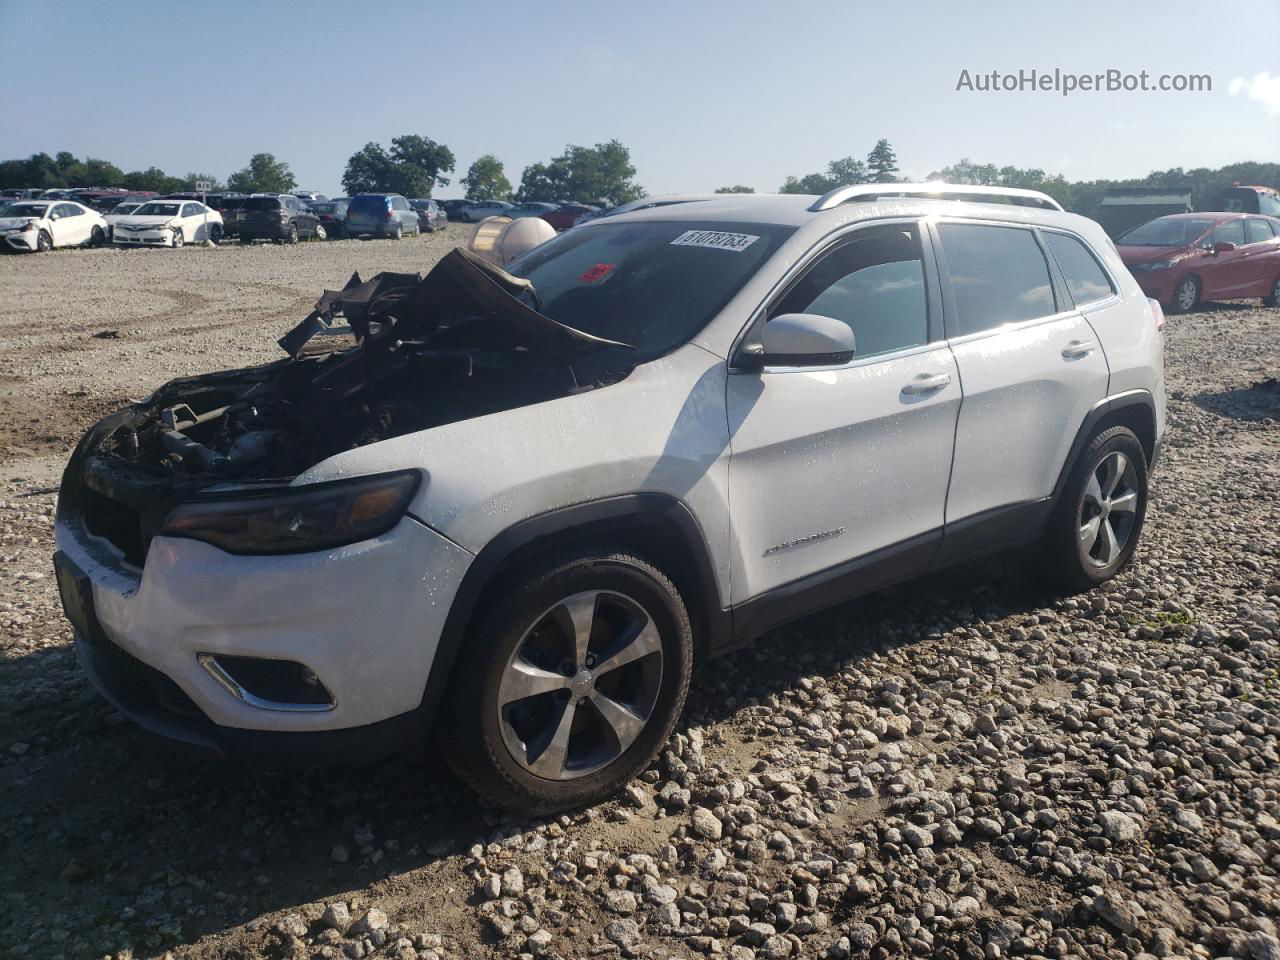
x: 737, y: 242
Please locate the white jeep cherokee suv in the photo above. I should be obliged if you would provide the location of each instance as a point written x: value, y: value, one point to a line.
x: 516, y: 508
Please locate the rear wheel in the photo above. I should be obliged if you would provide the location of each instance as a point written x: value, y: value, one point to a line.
x: 1274, y: 299
x: 1096, y: 524
x: 570, y: 686
x: 292, y: 236
x: 98, y: 237
x: 398, y: 232
x: 215, y: 233
x: 1186, y: 295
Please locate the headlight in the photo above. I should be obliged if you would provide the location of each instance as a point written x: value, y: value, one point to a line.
x: 295, y: 520
x: 1152, y: 265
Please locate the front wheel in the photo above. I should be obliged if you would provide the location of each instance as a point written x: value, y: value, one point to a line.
x: 178, y: 238
x: 1095, y: 526
x: 44, y: 242
x: 569, y: 687
x: 321, y: 233
x: 1186, y: 295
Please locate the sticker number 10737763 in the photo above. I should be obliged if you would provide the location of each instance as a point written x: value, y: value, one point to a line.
x: 737, y: 242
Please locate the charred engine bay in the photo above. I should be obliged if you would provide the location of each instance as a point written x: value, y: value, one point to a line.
x: 464, y: 341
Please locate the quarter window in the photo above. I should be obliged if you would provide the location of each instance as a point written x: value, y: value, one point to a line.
x: 1258, y: 230
x: 998, y: 276
x: 1086, y: 280
x: 875, y: 284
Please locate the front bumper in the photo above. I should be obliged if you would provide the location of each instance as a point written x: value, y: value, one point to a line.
x: 365, y: 618
x: 25, y: 242
x: 139, y: 238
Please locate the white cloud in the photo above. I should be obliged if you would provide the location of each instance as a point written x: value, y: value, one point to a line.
x: 1264, y: 88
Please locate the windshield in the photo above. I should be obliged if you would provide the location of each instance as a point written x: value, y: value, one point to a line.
x: 26, y: 209
x: 1165, y: 232
x: 323, y: 207
x: 651, y: 285
x: 158, y: 210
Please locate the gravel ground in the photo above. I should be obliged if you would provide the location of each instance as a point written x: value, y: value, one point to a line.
x: 962, y: 767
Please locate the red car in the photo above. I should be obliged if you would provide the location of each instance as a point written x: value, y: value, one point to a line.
x: 567, y: 214
x: 1188, y: 258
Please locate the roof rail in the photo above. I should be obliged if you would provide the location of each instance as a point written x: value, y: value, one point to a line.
x: 934, y: 191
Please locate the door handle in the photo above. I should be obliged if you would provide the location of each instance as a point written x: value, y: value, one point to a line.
x: 926, y: 383
x: 1077, y: 349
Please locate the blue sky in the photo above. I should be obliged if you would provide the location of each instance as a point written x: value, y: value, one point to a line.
x: 704, y: 93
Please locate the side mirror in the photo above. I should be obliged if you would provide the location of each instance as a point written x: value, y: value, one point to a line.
x: 55, y: 216
x: 1223, y: 246
x: 803, y: 340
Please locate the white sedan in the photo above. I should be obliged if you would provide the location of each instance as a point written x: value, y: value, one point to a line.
x: 40, y: 225
x: 168, y: 223
x: 119, y: 212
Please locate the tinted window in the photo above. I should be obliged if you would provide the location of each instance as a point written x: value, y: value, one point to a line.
x: 1230, y: 232
x: 652, y: 285
x: 191, y: 210
x: 371, y: 204
x: 262, y: 203
x: 1257, y: 230
x: 998, y: 276
x: 1085, y: 278
x: 875, y: 284
x: 1165, y: 232
x: 1269, y: 203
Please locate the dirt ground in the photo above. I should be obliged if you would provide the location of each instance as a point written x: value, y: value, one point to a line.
x: 824, y: 751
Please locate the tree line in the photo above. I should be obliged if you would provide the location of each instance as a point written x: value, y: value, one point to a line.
x: 415, y: 165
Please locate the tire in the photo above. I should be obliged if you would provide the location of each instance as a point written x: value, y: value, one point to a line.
x: 178, y: 238
x: 44, y: 242
x: 490, y: 733
x: 321, y: 233
x: 292, y: 236
x: 1096, y: 525
x: 1274, y: 299
x: 215, y: 233
x: 98, y: 237
x: 398, y: 233
x: 1186, y: 296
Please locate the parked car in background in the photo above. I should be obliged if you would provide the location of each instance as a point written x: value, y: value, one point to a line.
x: 1244, y: 199
x: 20, y: 193
x: 168, y: 223
x: 309, y: 196
x: 569, y: 214
x: 531, y: 209
x: 456, y: 208
x: 431, y: 216
x: 480, y: 209
x: 118, y: 213
x: 380, y: 215
x: 1188, y: 258
x: 37, y: 226
x: 332, y: 215
x: 282, y: 218
x: 228, y: 206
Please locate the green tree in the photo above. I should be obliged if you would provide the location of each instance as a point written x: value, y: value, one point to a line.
x: 840, y: 173
x: 988, y: 174
x: 153, y: 178
x: 736, y: 188
x: 883, y: 163
x: 486, y: 179
x: 603, y: 172
x: 412, y: 167
x: 192, y: 178
x: 264, y: 174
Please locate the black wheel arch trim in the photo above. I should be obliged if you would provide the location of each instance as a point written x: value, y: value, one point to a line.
x: 1102, y: 410
x: 563, y: 526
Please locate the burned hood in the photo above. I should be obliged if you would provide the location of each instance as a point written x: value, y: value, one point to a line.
x: 461, y: 290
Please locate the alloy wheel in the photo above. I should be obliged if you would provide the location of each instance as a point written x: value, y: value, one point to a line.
x: 1187, y: 294
x: 1108, y: 510
x: 581, y: 684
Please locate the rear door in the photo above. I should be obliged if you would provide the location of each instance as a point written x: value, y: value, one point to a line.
x: 1030, y: 367
x: 834, y: 464
x: 1262, y: 257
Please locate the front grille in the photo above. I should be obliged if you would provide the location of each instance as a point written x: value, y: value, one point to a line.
x: 116, y: 522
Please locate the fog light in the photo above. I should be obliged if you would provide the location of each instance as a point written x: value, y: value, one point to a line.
x: 269, y: 684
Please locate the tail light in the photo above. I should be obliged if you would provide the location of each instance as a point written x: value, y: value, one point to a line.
x: 1158, y: 312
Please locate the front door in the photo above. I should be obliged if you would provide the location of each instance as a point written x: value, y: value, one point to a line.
x: 833, y: 464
